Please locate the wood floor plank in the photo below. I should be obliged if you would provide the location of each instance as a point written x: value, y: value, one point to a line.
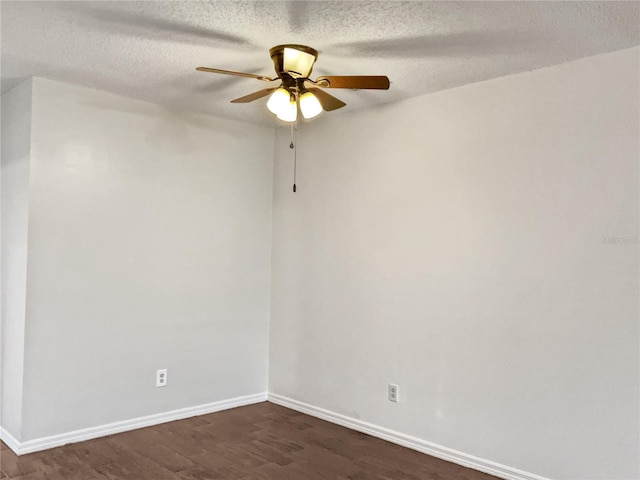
x: 168, y: 458
x: 14, y: 466
x: 258, y: 442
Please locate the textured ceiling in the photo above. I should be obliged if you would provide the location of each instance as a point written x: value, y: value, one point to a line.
x: 148, y: 50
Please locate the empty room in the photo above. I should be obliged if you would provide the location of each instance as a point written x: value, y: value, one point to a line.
x: 290, y: 240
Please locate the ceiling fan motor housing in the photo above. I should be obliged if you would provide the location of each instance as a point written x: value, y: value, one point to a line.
x: 293, y: 60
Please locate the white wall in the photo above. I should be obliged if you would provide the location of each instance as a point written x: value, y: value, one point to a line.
x: 463, y: 244
x: 16, y: 132
x: 149, y: 247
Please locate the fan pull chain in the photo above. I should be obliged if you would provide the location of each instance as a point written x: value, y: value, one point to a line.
x: 295, y: 154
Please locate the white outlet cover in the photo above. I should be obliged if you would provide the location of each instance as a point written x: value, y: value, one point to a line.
x: 394, y: 392
x: 161, y: 378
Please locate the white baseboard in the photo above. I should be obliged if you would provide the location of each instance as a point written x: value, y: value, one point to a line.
x: 9, y: 439
x: 44, y: 443
x: 448, y: 454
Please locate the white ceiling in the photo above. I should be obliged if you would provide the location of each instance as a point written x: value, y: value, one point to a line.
x: 148, y: 50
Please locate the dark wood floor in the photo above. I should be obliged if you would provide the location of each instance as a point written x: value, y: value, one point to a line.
x: 257, y: 442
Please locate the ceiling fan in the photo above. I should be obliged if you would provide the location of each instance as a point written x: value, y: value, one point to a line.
x: 293, y: 65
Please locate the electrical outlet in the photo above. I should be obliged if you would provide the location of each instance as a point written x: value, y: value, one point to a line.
x: 161, y: 378
x: 393, y: 392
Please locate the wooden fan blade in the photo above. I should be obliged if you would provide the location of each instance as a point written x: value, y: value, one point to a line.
x: 237, y: 74
x: 328, y: 102
x: 357, y: 82
x: 254, y: 96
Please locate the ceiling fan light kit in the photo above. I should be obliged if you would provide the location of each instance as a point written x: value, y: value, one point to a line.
x: 289, y: 112
x: 278, y: 101
x: 297, y: 91
x: 309, y: 105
